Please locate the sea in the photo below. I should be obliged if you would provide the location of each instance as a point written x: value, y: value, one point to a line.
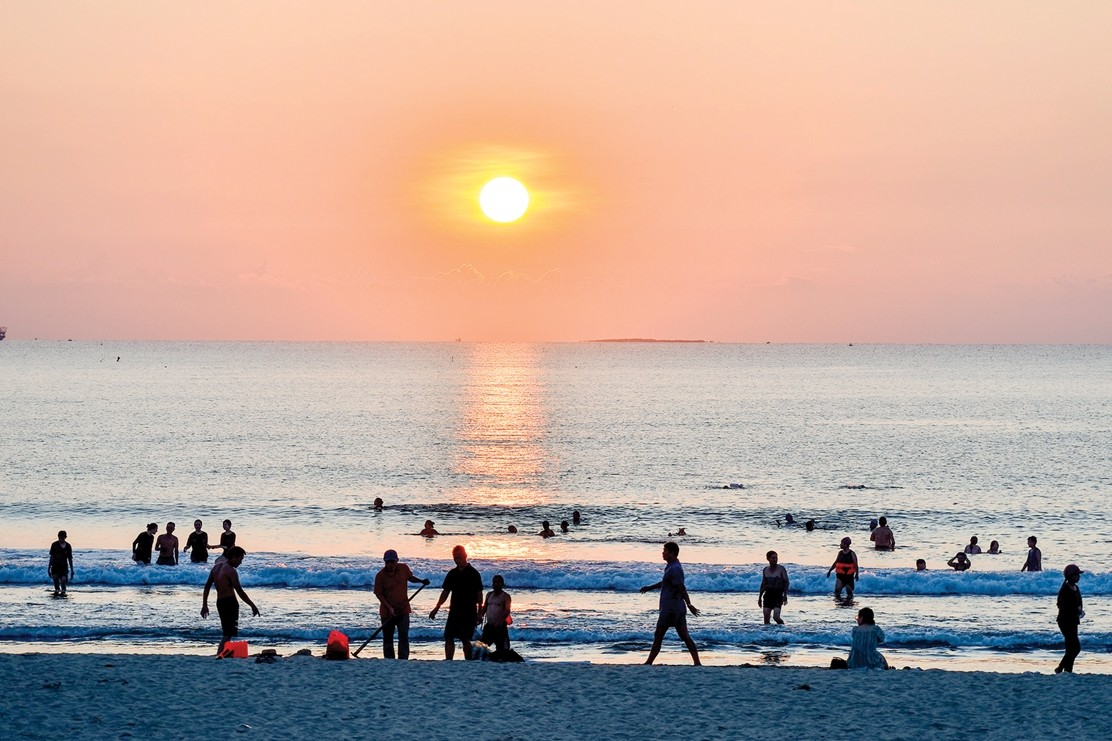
x: 293, y: 442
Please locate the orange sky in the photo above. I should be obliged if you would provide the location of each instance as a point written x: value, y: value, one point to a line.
x: 732, y: 171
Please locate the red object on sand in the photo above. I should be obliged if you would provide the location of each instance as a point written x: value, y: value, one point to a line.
x: 234, y: 650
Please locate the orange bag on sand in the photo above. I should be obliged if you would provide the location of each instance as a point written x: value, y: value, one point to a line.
x: 234, y: 650
x: 337, y: 646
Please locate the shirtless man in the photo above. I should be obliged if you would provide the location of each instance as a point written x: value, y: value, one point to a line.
x: 226, y: 579
x: 429, y: 530
x: 496, y: 610
x: 546, y: 530
x: 882, y: 537
x: 167, y: 547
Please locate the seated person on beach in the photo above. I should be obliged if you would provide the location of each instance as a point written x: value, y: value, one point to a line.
x: 973, y: 549
x: 920, y: 564
x: 994, y: 548
x: 863, y: 653
x: 496, y: 614
x: 960, y: 562
x: 429, y: 530
x: 882, y: 536
x: 546, y: 530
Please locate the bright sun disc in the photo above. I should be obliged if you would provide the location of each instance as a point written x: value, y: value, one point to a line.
x: 504, y: 199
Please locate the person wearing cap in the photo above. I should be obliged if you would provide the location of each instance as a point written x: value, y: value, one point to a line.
x: 845, y: 564
x: 429, y: 530
x: 1070, y: 613
x: 465, y: 586
x: 392, y: 589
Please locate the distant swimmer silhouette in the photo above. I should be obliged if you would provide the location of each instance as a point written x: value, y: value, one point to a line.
x: 512, y: 529
x: 546, y: 530
x: 681, y: 531
x: 429, y: 530
x: 564, y: 526
x: 810, y: 525
x: 576, y: 518
x: 378, y: 504
x: 734, y: 486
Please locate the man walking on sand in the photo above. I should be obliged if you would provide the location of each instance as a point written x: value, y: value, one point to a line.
x: 674, y: 604
x: 392, y: 590
x: 465, y: 586
x: 226, y: 579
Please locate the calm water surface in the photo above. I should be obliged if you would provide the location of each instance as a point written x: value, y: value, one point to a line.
x: 294, y: 441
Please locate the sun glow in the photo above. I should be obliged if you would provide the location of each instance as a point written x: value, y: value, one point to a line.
x: 504, y: 199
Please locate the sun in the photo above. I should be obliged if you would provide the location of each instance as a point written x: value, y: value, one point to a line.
x: 504, y: 199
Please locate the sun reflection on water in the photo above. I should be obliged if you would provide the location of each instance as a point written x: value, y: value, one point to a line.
x: 501, y: 436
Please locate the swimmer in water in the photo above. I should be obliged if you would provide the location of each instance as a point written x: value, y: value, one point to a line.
x: 429, y: 530
x: 546, y: 530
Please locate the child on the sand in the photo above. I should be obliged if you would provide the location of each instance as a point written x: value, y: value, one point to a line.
x: 863, y: 653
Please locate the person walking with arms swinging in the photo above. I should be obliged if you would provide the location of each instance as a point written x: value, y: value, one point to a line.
x: 675, y: 603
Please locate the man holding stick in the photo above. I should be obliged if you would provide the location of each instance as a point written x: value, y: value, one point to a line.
x: 391, y: 588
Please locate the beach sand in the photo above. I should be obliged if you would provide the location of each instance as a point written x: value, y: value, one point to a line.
x: 111, y: 696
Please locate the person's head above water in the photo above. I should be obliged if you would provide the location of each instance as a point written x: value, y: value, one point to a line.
x: 920, y: 564
x: 512, y: 528
x: 575, y: 516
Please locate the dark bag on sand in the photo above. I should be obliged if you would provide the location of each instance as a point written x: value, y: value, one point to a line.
x: 337, y: 646
x: 504, y: 657
x: 839, y: 663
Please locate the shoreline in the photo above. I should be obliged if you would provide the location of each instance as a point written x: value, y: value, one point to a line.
x: 127, y: 695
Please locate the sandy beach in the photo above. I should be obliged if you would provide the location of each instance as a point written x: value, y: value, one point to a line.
x: 129, y: 696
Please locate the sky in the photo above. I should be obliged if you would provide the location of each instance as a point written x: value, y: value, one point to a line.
x: 729, y: 171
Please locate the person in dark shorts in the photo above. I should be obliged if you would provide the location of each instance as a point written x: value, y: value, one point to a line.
x: 675, y: 603
x: 496, y: 611
x: 773, y: 593
x: 60, y: 567
x: 465, y: 586
x: 1034, y: 556
x: 143, y: 545
x: 167, y: 547
x: 1070, y: 613
x: 845, y: 564
x: 197, y: 544
x: 226, y: 579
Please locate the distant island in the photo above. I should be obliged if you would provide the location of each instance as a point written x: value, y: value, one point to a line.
x: 643, y: 339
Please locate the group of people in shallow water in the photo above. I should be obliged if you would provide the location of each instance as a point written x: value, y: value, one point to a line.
x: 468, y: 609
x: 197, y: 545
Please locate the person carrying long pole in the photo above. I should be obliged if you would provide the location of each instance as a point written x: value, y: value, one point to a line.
x: 391, y: 588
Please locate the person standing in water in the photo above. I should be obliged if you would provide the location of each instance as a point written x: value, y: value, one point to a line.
x: 1070, y: 613
x: 60, y: 566
x: 143, y: 545
x: 1034, y: 556
x: 845, y: 564
x: 167, y: 547
x: 227, y: 539
x: 883, y: 537
x: 198, y: 543
x: 774, y: 588
x: 496, y: 612
x: 675, y: 603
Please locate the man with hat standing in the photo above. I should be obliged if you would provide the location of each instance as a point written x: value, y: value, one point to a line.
x: 1070, y: 612
x: 392, y: 590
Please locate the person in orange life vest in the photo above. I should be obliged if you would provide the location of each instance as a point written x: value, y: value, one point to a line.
x: 845, y: 565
